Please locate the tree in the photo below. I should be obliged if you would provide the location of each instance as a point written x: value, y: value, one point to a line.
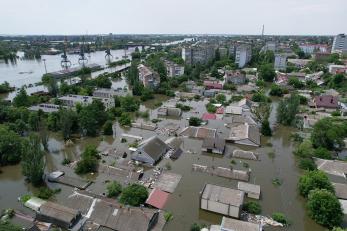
x: 92, y: 117
x: 267, y: 72
x: 22, y: 99
x: 280, y: 217
x: 324, y: 208
x: 6, y: 226
x: 221, y: 98
x: 34, y: 121
x: 125, y: 119
x: 107, y: 128
x: 314, y: 180
x: 265, y: 128
x: 67, y: 117
x: 89, y: 160
x: 195, y: 121
x: 287, y: 110
x: 322, y: 153
x: 129, y: 103
x: 305, y: 149
x: 113, y: 189
x: 328, y: 134
x: 252, y: 207
x: 296, y: 83
x: 53, y: 121
x: 10, y: 146
x: 307, y: 164
x: 32, y: 160
x: 44, y: 135
x: 262, y: 114
x: 276, y: 90
x: 134, y: 195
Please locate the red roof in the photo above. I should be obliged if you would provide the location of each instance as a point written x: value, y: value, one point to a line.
x: 213, y: 85
x: 220, y: 110
x: 157, y: 198
x: 209, y: 116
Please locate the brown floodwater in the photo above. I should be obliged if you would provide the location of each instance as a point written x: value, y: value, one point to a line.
x: 184, y: 202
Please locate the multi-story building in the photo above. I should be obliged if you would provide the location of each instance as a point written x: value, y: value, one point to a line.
x: 313, y: 48
x: 174, y: 69
x: 73, y: 100
x: 280, y: 62
x: 243, y: 55
x: 269, y: 46
x: 148, y: 77
x: 340, y: 44
x: 236, y: 77
x: 198, y: 54
x: 223, y: 51
x: 109, y: 92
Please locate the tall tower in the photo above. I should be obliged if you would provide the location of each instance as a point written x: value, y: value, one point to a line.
x: 262, y: 31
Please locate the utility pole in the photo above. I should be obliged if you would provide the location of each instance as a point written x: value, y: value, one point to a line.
x: 44, y: 63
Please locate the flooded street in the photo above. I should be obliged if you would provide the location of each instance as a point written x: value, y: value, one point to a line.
x: 276, y: 161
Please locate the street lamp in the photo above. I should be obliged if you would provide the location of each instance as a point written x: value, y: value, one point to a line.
x: 44, y: 62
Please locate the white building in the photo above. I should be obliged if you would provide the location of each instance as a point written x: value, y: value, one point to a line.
x: 174, y: 69
x: 243, y: 55
x: 312, y: 48
x: 340, y: 44
x: 280, y: 62
x: 73, y: 100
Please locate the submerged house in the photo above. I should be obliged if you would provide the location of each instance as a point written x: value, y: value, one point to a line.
x: 245, y: 134
x: 229, y: 224
x: 170, y: 111
x: 214, y: 145
x: 150, y: 151
x: 222, y: 200
x: 58, y: 215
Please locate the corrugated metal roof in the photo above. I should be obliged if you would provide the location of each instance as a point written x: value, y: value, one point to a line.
x: 157, y: 198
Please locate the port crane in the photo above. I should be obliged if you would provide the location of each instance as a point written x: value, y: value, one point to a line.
x: 82, y: 59
x: 65, y: 62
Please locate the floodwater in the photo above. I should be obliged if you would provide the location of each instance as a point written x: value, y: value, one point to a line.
x: 25, y: 72
x: 184, y: 202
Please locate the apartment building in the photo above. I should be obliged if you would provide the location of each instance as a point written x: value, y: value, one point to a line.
x: 73, y: 100
x: 236, y: 77
x: 280, y: 62
x: 340, y: 44
x: 243, y: 55
x: 148, y: 77
x: 174, y: 69
x: 198, y: 54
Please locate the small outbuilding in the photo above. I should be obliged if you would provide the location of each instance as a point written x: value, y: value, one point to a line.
x: 222, y: 200
x: 214, y: 145
x: 252, y: 190
x: 229, y: 224
x: 157, y: 198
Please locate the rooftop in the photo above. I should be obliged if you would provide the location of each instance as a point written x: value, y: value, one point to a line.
x: 237, y: 225
x: 223, y: 195
x: 157, y: 198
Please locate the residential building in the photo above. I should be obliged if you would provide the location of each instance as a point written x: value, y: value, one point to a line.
x: 243, y: 55
x: 340, y: 44
x: 334, y: 69
x: 198, y: 54
x: 169, y: 111
x: 300, y: 63
x: 326, y: 101
x: 235, y: 76
x: 109, y: 92
x: 73, y: 100
x: 313, y: 48
x: 46, y: 107
x: 229, y: 224
x: 280, y: 62
x: 269, y: 46
x: 174, y: 69
x: 148, y: 77
x: 222, y: 200
x: 150, y: 151
x: 223, y: 51
x: 245, y: 134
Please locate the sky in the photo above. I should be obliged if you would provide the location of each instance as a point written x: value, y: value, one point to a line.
x: 280, y: 17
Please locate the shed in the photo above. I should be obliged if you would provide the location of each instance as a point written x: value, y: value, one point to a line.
x: 34, y: 203
x: 245, y: 134
x: 150, y: 151
x: 237, y: 153
x: 214, y: 145
x: 222, y: 200
x: 229, y: 224
x: 157, y: 198
x: 252, y: 190
x: 58, y: 214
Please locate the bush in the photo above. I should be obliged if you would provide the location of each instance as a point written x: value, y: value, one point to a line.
x: 307, y: 164
x: 195, y: 121
x: 324, y: 208
x: 107, y: 128
x: 211, y: 108
x: 46, y: 193
x: 336, y: 113
x: 322, y: 153
x: 314, y: 180
x: 113, y: 189
x: 280, y: 217
x: 168, y: 216
x: 276, y: 90
x: 89, y: 160
x: 252, y: 207
x: 134, y: 195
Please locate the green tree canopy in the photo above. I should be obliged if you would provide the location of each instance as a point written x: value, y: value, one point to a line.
x: 324, y: 208
x: 312, y: 180
x: 134, y: 195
